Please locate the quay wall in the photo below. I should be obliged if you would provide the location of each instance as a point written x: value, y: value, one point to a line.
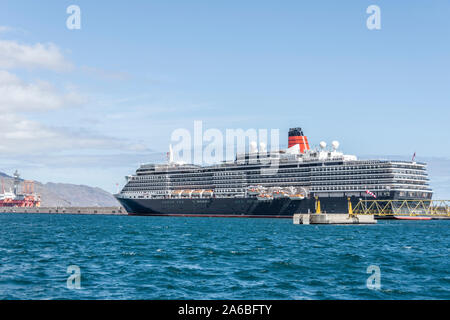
x: 66, y: 210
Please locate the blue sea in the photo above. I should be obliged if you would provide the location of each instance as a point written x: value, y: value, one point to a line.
x: 123, y: 257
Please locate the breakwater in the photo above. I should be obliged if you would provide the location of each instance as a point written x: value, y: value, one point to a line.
x: 67, y: 210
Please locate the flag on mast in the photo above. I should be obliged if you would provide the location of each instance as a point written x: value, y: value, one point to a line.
x: 371, y: 194
x: 414, y: 157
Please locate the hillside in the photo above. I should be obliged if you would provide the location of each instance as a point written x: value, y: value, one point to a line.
x: 81, y: 195
x: 64, y: 194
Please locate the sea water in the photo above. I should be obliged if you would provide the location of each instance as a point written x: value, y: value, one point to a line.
x: 45, y: 256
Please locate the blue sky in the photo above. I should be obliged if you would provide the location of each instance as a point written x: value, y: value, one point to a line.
x: 92, y: 104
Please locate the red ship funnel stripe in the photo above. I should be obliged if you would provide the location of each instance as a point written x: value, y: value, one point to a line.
x: 296, y: 137
x: 302, y: 141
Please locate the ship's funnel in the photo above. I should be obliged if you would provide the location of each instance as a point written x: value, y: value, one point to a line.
x: 296, y: 137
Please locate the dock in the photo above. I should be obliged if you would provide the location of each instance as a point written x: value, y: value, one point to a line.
x: 367, y: 211
x: 66, y: 210
x: 335, y: 218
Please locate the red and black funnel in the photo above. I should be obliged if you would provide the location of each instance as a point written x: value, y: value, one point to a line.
x: 296, y: 137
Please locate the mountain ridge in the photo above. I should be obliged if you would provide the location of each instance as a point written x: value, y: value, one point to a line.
x: 66, y: 195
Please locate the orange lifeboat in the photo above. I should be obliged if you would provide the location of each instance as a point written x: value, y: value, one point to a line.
x: 297, y: 196
x: 279, y: 194
x: 264, y: 197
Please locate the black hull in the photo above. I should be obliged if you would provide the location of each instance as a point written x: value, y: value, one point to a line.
x: 236, y: 207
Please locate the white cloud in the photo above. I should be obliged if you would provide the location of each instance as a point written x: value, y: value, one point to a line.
x: 106, y: 74
x: 22, y: 136
x: 4, y: 29
x: 18, y: 96
x: 45, y: 56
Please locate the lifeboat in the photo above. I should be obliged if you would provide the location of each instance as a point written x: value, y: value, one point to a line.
x: 264, y: 197
x: 279, y: 194
x: 253, y: 191
x: 196, y: 193
x: 176, y: 193
x: 186, y: 193
x: 297, y: 196
x: 207, y: 193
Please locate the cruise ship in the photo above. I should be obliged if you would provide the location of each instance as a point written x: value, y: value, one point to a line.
x: 252, y: 186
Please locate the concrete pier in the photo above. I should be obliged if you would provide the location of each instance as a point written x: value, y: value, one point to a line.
x: 337, y: 218
x: 67, y: 210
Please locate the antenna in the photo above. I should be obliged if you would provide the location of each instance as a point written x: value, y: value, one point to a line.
x: 170, y: 154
